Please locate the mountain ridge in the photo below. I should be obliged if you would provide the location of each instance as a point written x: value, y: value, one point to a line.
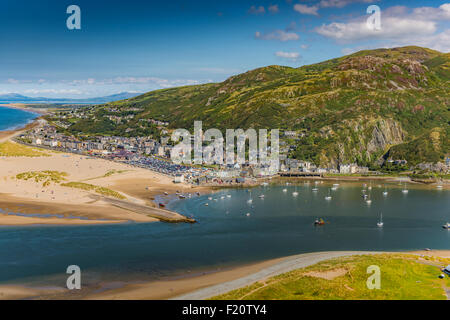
x: 352, y: 109
x: 15, y: 97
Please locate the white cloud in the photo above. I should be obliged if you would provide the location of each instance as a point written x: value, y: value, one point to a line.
x: 279, y: 35
x: 399, y: 26
x: 341, y: 3
x: 304, y: 9
x: 439, y: 42
x: 257, y: 10
x: 441, y: 13
x: 293, y: 56
x: 391, y: 28
x: 53, y: 91
x: 274, y: 9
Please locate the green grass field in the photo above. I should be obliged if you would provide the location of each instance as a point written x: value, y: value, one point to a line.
x: 12, y: 149
x: 403, y: 277
x: 46, y: 177
x: 90, y: 187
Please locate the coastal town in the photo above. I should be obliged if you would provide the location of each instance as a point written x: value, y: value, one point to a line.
x: 149, y: 153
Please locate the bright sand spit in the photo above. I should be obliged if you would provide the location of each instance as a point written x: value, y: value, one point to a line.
x: 138, y: 185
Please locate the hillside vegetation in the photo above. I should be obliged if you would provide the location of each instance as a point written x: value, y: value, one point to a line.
x: 402, y: 277
x: 363, y: 107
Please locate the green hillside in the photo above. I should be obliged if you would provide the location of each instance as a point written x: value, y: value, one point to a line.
x: 353, y: 108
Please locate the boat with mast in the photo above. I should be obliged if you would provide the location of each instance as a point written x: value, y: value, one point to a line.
x: 385, y: 192
x: 405, y: 190
x: 380, y: 223
x: 295, y: 193
x: 250, y: 200
x: 328, y: 197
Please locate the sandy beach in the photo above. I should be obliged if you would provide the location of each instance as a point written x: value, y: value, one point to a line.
x: 138, y: 186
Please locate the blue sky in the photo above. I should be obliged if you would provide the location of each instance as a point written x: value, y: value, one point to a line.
x: 139, y: 46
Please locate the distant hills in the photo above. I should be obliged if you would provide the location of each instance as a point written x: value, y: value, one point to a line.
x: 364, y: 107
x: 14, y: 97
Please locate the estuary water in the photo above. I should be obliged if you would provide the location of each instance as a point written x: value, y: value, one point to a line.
x: 14, y: 118
x: 230, y: 232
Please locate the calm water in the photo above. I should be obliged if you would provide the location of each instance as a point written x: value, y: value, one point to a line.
x: 279, y: 225
x: 14, y: 118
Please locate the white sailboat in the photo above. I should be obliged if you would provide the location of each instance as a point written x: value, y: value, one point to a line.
x: 284, y: 190
x: 328, y: 197
x: 295, y: 193
x: 405, y: 191
x: 385, y: 193
x: 250, y: 200
x: 380, y: 223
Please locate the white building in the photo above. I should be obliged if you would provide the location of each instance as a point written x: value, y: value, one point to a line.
x: 179, y: 178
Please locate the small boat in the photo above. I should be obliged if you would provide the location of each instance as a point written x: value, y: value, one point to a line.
x: 364, y: 196
x: 166, y: 193
x: 248, y: 214
x: 182, y: 196
x: 334, y: 188
x: 162, y: 205
x: 380, y: 223
x: 405, y: 191
x: 446, y: 226
x: 295, y: 193
x: 439, y: 187
x: 249, y: 201
x: 265, y: 184
x: 209, y: 198
x: 206, y: 204
x: 261, y: 196
x: 328, y: 198
x: 228, y: 195
x: 197, y: 193
x: 315, y: 189
x: 222, y: 197
x: 319, y: 222
x: 336, y: 185
x: 369, y: 202
x: 284, y: 190
x: 385, y: 193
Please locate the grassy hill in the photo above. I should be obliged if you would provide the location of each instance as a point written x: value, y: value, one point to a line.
x: 402, y: 277
x: 353, y: 108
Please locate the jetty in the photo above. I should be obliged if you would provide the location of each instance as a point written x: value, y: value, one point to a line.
x: 300, y: 174
x: 158, y: 213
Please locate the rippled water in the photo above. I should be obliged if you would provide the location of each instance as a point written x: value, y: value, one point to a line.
x: 14, y: 118
x: 277, y: 226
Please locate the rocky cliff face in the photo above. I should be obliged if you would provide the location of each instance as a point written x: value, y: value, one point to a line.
x: 362, y: 140
x: 386, y: 132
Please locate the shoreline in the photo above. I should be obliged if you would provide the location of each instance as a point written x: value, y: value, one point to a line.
x: 199, y: 286
x: 6, y: 135
x: 146, y: 188
x: 23, y: 107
